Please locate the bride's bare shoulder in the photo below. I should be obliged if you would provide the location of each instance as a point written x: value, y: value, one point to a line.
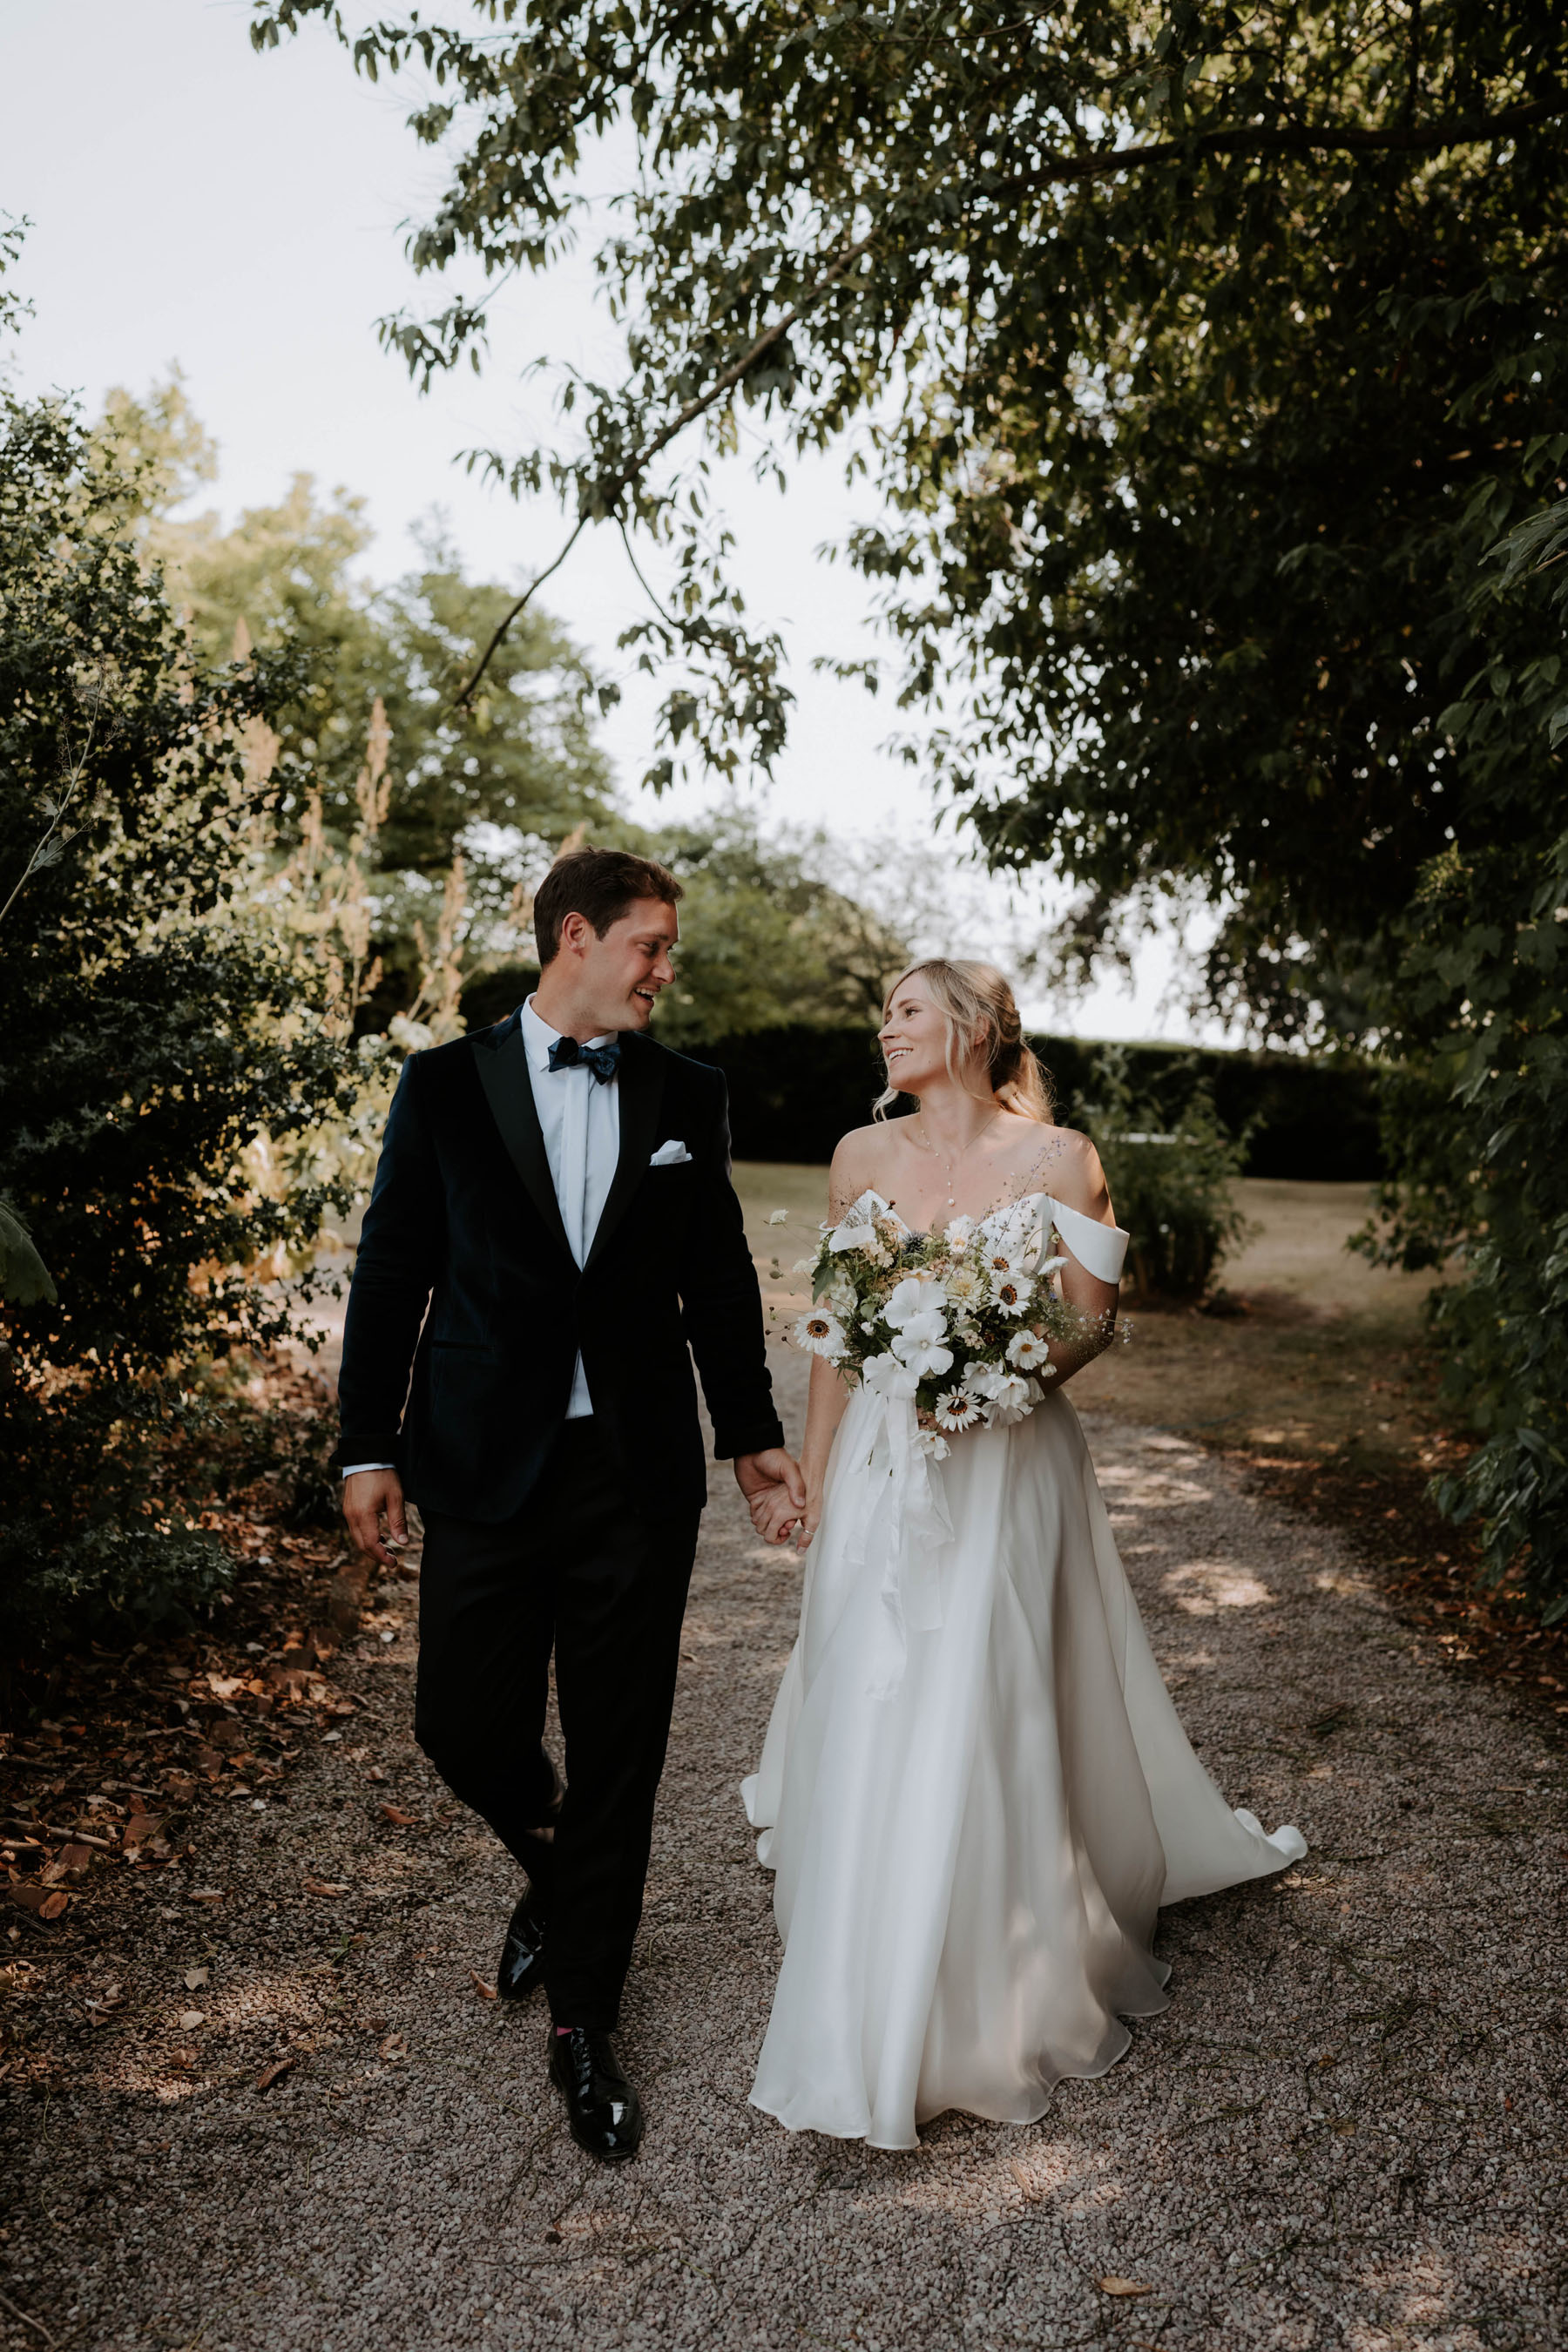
x: 1070, y: 1170
x: 862, y: 1158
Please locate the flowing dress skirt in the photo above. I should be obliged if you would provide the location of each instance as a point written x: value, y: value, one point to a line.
x: 973, y: 1820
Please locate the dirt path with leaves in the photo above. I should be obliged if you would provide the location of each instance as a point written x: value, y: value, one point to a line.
x: 1348, y: 2129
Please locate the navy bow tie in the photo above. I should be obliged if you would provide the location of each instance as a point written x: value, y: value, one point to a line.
x: 566, y: 1054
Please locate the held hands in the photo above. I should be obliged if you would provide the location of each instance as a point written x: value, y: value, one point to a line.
x: 776, y: 1518
x: 366, y: 1495
x: 774, y: 1492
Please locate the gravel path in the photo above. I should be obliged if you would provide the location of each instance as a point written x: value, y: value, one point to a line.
x: 1348, y: 2129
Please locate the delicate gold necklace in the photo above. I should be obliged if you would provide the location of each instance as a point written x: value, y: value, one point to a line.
x: 950, y: 1164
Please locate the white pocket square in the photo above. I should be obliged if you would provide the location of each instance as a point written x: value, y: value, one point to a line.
x: 670, y: 1155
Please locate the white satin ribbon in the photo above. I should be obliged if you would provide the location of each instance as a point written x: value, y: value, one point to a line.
x: 898, y: 1525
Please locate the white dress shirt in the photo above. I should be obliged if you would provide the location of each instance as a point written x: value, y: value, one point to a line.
x: 580, y: 1119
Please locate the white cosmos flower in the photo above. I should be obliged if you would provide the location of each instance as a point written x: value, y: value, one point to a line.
x: 927, y: 1328
x: 884, y: 1376
x: 934, y: 1444
x: 1011, y: 1292
x: 920, y: 1346
x: 822, y: 1334
x: 957, y: 1409
x: 1028, y: 1350
x: 918, y: 1293
x: 1008, y: 1399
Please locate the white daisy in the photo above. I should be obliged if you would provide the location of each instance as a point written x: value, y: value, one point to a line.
x: 1011, y: 1292
x: 957, y: 1409
x: 964, y: 1285
x: 1028, y: 1350
x: 822, y: 1334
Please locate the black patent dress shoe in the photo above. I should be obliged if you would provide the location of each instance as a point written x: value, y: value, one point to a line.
x: 522, y: 1954
x: 604, y: 2111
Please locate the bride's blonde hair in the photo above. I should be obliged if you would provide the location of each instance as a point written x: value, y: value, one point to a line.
x: 981, y: 1017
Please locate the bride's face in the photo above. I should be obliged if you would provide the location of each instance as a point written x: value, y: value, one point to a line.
x: 913, y: 1038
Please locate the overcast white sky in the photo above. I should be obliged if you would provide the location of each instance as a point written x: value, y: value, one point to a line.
x: 240, y: 215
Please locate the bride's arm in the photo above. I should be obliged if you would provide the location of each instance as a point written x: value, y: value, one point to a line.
x: 823, y: 1411
x: 849, y: 1176
x: 1080, y: 1183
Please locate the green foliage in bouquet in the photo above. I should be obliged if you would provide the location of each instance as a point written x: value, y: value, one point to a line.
x: 1171, y: 1190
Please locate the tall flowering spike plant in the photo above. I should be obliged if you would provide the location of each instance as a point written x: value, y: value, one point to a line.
x: 960, y: 1322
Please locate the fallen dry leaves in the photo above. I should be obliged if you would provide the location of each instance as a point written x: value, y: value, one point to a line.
x: 486, y: 1992
x: 1114, y: 2285
x: 270, y: 2074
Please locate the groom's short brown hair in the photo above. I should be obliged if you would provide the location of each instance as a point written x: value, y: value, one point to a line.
x: 600, y: 884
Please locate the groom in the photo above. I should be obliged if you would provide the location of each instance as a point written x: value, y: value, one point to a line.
x: 552, y: 1226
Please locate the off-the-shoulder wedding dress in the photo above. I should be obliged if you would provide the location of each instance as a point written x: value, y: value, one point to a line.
x: 974, y: 1791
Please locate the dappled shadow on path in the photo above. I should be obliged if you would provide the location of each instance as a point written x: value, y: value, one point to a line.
x: 1346, y: 2130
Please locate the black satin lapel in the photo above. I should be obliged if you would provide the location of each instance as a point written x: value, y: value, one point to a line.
x: 641, y: 1084
x: 509, y: 1090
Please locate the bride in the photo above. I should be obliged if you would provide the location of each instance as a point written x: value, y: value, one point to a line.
x: 974, y: 1791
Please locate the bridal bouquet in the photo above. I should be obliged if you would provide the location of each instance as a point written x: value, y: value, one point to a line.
x: 961, y: 1322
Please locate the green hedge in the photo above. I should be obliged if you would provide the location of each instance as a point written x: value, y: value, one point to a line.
x: 794, y: 1090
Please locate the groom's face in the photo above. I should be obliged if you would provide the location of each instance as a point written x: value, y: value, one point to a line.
x: 622, y: 974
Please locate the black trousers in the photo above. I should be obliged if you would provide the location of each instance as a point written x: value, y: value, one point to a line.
x: 583, y: 1572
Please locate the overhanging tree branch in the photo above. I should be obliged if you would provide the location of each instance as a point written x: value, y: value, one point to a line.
x: 604, y: 494
x: 1300, y: 140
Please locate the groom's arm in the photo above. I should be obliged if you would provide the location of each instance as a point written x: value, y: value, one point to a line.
x: 399, y: 1252
x: 723, y: 1305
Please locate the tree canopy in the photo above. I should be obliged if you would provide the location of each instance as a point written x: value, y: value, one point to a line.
x: 1199, y: 351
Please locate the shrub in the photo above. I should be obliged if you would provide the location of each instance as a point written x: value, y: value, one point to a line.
x: 160, y: 1028
x: 1171, y: 1190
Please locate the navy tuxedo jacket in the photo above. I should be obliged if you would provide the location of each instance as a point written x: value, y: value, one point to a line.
x: 467, y: 1397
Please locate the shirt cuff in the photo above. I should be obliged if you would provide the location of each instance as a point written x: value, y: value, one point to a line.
x: 351, y: 1469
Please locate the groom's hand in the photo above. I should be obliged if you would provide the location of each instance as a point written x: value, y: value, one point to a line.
x: 366, y: 1495
x: 771, y: 1473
